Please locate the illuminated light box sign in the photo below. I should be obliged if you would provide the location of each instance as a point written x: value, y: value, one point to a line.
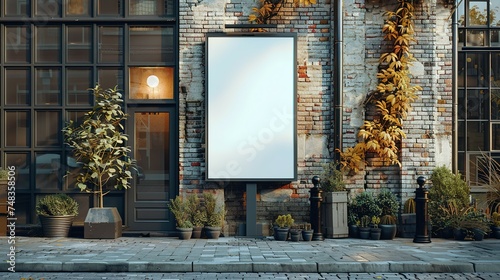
x: 251, y: 107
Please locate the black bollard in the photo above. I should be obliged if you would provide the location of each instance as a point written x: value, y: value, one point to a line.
x: 315, y: 213
x: 422, y: 216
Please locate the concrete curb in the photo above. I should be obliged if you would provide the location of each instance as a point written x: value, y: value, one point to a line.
x: 261, y: 267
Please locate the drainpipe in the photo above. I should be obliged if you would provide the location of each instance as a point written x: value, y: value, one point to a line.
x: 338, y: 78
x: 454, y: 66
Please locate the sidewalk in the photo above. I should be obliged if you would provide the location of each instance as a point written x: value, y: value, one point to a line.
x: 235, y: 254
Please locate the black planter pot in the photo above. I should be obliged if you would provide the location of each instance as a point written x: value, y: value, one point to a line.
x: 375, y: 233
x: 282, y: 234
x: 459, y: 234
x: 495, y: 232
x: 56, y: 226
x: 307, y: 235
x: 295, y: 235
x: 364, y: 232
x: 388, y: 232
x: 478, y: 234
x: 353, y: 231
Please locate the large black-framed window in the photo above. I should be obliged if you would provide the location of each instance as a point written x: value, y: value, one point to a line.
x: 478, y: 84
x: 48, y: 62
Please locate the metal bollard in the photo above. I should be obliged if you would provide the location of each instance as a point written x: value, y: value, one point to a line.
x: 422, y: 216
x: 315, y: 213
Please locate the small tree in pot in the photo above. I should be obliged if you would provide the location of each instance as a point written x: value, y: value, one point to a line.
x: 389, y: 205
x: 334, y: 206
x: 99, y: 144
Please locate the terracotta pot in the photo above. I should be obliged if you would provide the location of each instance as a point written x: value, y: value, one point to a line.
x: 212, y: 232
x: 185, y: 233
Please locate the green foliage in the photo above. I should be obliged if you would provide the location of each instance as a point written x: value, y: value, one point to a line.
x: 364, y: 205
x: 388, y: 202
x: 57, y: 205
x: 180, y: 209
x: 99, y: 143
x: 214, y: 213
x: 4, y: 174
x: 392, y: 98
x: 196, y: 214
x: 448, y: 199
x: 332, y: 178
x: 495, y: 219
x: 284, y: 221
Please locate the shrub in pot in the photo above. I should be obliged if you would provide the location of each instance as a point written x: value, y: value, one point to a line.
x: 495, y: 227
x: 196, y: 215
x: 214, y: 215
x: 364, y: 227
x: 181, y: 213
x: 389, y: 206
x: 56, y: 213
x: 284, y: 222
x: 375, y: 231
x: 335, y: 200
x: 388, y: 227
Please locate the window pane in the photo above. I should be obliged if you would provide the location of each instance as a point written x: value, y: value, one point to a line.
x: 110, y: 77
x: 21, y: 162
x: 17, y: 7
x: 151, y: 44
x: 48, y: 171
x: 495, y: 104
x: 78, y: 82
x: 478, y: 13
x: 48, y: 125
x: 150, y: 7
x: 141, y: 86
x: 17, y: 129
x: 461, y: 104
x: 476, y: 38
x: 495, y: 136
x: 17, y: 86
x: 477, y: 136
x: 495, y: 13
x: 78, y: 38
x: 461, y: 70
x: 477, y: 104
x: 110, y: 7
x: 461, y: 136
x: 477, y: 69
x: 110, y: 44
x: 495, y: 38
x: 17, y: 44
x: 77, y: 7
x: 48, y: 44
x: 48, y: 86
x: 48, y: 8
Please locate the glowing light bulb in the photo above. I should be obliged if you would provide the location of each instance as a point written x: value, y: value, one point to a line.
x: 153, y: 81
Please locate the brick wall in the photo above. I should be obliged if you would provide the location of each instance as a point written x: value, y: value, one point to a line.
x: 428, y: 125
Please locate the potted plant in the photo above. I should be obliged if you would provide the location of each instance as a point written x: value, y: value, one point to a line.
x: 389, y: 206
x: 335, y: 200
x: 196, y: 215
x: 364, y: 227
x: 56, y: 213
x: 375, y: 231
x: 295, y: 234
x: 284, y: 222
x: 181, y: 212
x: 495, y: 227
x: 214, y: 214
x: 99, y: 145
x: 307, y: 232
x: 353, y: 221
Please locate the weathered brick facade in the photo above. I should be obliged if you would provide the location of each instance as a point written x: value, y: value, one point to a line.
x: 428, y: 126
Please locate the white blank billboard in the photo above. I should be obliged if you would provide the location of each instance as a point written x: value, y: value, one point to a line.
x: 251, y: 100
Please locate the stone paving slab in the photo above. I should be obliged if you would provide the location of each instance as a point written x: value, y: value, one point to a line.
x: 231, y: 254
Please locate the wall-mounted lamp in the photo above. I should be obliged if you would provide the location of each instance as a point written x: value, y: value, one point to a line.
x: 153, y: 81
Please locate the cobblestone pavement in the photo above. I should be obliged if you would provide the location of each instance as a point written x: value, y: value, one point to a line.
x: 250, y: 276
x: 231, y: 254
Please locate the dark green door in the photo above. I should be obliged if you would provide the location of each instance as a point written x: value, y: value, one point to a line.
x: 153, y: 146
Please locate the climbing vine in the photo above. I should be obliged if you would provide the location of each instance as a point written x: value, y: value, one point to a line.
x: 271, y: 8
x: 392, y: 98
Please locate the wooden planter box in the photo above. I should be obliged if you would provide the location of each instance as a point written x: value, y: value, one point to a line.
x: 334, y: 215
x: 407, y: 225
